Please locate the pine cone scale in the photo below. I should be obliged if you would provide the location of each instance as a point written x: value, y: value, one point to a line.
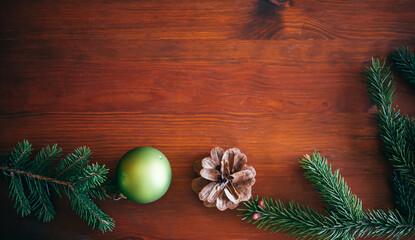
x: 246, y: 183
x: 232, y: 205
x: 208, y: 204
x: 216, y: 155
x: 209, y: 163
x: 244, y: 193
x: 214, y: 194
x: 240, y: 161
x: 210, y: 174
x: 225, y: 168
x: 232, y: 194
x: 205, y: 192
x: 198, y: 184
x: 230, y: 155
x: 242, y: 176
x: 222, y: 202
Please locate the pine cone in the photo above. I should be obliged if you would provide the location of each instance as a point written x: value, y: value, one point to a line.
x: 225, y: 179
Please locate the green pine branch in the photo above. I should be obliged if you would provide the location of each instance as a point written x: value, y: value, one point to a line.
x: 41, y: 203
x: 90, y: 212
x: 396, y: 131
x: 32, y: 180
x: 99, y: 193
x: 17, y: 194
x: 73, y: 162
x: 344, y: 217
x: 332, y: 188
x: 21, y: 154
x: 43, y: 160
x: 295, y: 219
x: 389, y: 224
x: 403, y: 60
x: 404, y: 196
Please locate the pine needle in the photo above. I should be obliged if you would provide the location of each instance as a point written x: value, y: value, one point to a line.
x: 31, y: 182
x: 403, y: 60
x: 332, y: 188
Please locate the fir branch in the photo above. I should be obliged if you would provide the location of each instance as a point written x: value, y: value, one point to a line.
x: 295, y: 219
x: 393, y: 127
x: 109, y: 187
x: 78, y: 180
x: 89, y: 211
x: 388, y: 224
x: 16, y: 192
x: 20, y: 154
x: 404, y: 196
x: 332, y: 188
x: 35, y: 176
x: 303, y: 222
x: 44, y: 159
x: 345, y: 219
x: 403, y: 60
x: 410, y: 130
x: 73, y: 162
x: 98, y: 193
x: 40, y: 200
x: 300, y: 221
x: 380, y: 86
x: 90, y: 177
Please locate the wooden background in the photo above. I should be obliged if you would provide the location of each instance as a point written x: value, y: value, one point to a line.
x: 185, y: 76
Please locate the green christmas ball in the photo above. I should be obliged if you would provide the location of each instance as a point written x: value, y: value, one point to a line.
x: 143, y: 174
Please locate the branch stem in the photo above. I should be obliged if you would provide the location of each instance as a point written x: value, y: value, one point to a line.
x: 77, y: 160
x: 31, y: 175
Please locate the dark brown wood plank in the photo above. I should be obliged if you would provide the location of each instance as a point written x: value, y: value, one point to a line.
x: 190, y: 76
x: 272, y: 142
x: 234, y: 19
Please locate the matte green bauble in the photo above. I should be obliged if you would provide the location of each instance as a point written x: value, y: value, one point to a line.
x: 143, y: 174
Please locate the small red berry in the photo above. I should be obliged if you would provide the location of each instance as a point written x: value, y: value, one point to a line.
x: 255, y: 216
x: 261, y: 204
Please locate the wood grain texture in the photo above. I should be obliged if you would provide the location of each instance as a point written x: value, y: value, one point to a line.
x: 185, y: 76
